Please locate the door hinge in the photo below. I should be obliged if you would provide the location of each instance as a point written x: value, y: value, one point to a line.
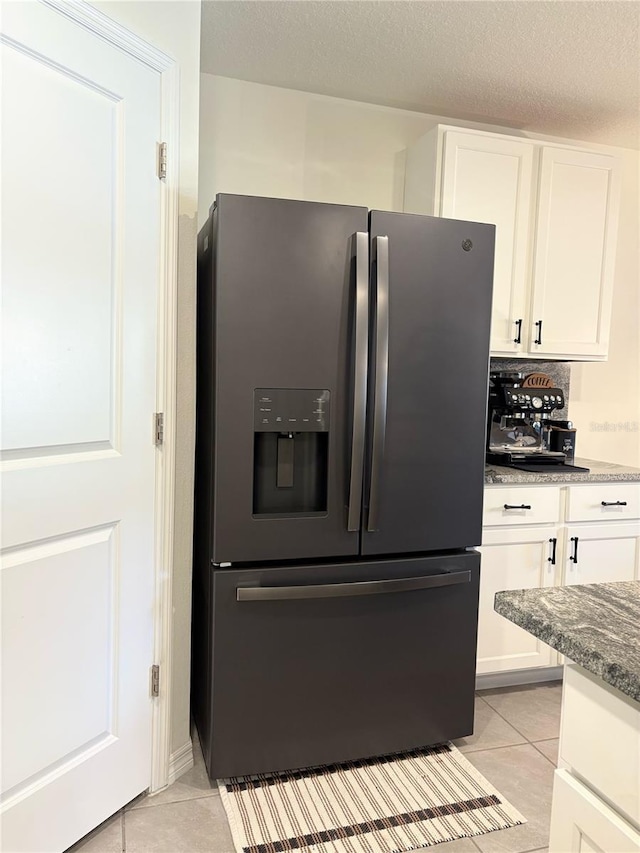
x: 159, y: 428
x: 155, y: 680
x: 162, y: 160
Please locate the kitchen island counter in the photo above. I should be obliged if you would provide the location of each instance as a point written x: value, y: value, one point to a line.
x: 596, y: 793
x: 599, y: 472
x: 595, y: 625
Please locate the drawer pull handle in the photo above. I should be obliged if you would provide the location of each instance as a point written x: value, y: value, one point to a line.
x: 342, y: 590
x: 574, y: 556
x: 613, y: 503
x: 538, y: 339
x: 552, y: 558
x: 520, y: 506
x: 518, y: 337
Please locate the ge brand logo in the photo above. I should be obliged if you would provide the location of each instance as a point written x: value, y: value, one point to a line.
x: 467, y: 245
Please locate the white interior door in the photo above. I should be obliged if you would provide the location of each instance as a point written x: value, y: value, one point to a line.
x: 80, y: 260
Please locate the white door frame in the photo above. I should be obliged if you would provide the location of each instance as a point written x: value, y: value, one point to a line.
x: 101, y: 25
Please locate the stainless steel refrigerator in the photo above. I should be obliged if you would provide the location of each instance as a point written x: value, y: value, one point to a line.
x: 341, y: 414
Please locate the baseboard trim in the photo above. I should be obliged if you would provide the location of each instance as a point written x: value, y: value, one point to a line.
x: 518, y: 676
x: 180, y: 761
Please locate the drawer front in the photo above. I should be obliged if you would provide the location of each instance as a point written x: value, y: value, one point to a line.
x: 521, y: 505
x: 323, y: 664
x: 603, y: 502
x: 582, y: 823
x: 600, y: 739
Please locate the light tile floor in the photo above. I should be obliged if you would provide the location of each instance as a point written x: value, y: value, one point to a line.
x: 515, y: 747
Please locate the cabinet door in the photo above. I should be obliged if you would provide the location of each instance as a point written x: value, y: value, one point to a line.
x: 605, y: 553
x: 488, y: 179
x: 583, y: 823
x: 576, y: 227
x: 517, y: 558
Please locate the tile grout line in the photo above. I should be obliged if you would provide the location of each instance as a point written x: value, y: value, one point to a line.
x: 512, y: 725
x: 174, y: 802
x: 554, y: 764
x: 491, y: 748
x: 504, y: 719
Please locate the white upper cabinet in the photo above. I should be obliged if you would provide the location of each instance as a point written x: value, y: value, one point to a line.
x: 555, y: 212
x: 576, y: 225
x: 485, y: 179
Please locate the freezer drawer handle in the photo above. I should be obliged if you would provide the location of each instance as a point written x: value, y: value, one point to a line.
x: 359, y: 380
x: 342, y: 590
x: 381, y: 248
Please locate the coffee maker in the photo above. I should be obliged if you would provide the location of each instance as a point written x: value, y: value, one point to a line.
x: 520, y: 424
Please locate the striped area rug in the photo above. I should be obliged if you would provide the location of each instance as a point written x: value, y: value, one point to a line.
x: 391, y: 804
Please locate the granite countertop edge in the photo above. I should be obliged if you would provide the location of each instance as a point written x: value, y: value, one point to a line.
x: 618, y: 676
x: 599, y: 472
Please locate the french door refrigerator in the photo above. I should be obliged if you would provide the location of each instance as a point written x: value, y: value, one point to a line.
x: 341, y: 413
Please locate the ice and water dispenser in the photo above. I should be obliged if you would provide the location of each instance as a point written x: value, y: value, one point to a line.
x: 291, y: 451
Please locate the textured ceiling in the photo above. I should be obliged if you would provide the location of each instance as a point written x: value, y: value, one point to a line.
x: 561, y: 67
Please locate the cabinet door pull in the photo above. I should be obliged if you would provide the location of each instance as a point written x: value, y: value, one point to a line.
x: 574, y: 556
x: 538, y: 339
x: 613, y: 503
x: 520, y: 506
x: 518, y: 337
x: 552, y: 558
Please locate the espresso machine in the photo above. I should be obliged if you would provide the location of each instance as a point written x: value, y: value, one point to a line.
x: 520, y: 424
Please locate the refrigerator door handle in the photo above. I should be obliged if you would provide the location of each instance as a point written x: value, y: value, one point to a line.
x: 343, y: 590
x: 381, y: 253
x: 359, y: 380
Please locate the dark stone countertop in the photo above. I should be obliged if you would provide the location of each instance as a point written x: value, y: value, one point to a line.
x: 599, y: 472
x: 595, y: 625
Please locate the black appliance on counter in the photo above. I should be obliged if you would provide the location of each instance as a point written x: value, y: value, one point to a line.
x: 335, y: 592
x: 521, y: 432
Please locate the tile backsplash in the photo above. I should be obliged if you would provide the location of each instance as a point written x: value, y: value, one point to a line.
x: 559, y: 371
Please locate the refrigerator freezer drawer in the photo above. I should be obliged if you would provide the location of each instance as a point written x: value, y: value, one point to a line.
x: 315, y: 665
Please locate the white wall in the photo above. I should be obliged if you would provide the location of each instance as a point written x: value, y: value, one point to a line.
x: 263, y: 140
x: 605, y: 397
x: 174, y: 27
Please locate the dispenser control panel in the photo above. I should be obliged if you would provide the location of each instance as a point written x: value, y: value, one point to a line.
x: 291, y: 410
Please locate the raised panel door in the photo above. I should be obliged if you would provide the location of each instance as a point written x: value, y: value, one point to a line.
x: 80, y: 237
x: 489, y: 179
x: 518, y: 558
x: 602, y: 553
x: 583, y: 823
x: 576, y: 226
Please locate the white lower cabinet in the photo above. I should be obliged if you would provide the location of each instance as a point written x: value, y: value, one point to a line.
x: 583, y: 823
x: 520, y: 524
x: 596, y: 794
x: 513, y: 558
